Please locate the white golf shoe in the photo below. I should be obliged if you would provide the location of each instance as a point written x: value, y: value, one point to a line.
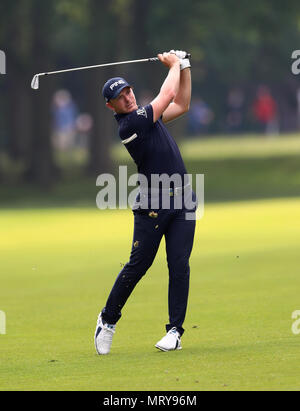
x: 103, y: 336
x: 170, y: 342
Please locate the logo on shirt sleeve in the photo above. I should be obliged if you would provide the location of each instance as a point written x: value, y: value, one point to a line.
x: 141, y: 112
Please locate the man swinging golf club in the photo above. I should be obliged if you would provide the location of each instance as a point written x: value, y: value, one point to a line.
x: 153, y: 149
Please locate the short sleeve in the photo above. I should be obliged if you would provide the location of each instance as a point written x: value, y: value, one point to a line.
x: 141, y: 119
x: 138, y: 121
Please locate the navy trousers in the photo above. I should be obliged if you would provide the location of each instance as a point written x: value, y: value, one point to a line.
x: 149, y: 228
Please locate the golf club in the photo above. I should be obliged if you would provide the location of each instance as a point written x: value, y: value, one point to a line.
x: 36, y: 79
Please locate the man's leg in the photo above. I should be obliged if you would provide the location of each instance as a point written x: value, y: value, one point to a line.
x: 179, y: 244
x: 146, y: 239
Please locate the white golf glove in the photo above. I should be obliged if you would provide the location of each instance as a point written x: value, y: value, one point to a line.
x: 184, y: 63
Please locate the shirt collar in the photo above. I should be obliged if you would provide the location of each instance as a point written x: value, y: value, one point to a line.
x: 118, y: 117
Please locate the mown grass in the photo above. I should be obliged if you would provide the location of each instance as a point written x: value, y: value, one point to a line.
x: 59, y: 256
x: 58, y: 265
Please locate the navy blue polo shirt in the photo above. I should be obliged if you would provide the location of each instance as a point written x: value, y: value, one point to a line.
x: 151, y: 146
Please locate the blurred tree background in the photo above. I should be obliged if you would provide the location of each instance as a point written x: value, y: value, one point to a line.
x: 235, y: 45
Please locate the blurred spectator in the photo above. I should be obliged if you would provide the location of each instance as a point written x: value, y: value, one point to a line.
x: 265, y: 110
x: 64, y: 118
x: 84, y: 124
x: 200, y: 116
x: 235, y: 103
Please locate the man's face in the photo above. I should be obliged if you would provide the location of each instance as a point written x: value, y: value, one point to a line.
x: 124, y: 103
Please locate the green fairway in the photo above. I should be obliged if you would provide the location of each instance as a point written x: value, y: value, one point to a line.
x: 58, y: 265
x: 221, y: 147
x: 235, y: 169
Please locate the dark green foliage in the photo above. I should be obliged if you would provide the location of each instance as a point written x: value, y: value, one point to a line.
x: 233, y: 43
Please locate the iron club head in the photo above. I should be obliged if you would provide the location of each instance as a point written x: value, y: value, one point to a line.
x: 35, y: 82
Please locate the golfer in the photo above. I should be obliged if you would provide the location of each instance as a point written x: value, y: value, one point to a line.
x: 143, y: 133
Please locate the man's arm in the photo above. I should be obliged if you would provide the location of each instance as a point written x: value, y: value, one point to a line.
x: 170, y: 88
x: 181, y: 103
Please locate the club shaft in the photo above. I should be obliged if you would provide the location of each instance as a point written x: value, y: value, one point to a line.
x: 35, y: 80
x: 101, y: 65
x: 105, y: 65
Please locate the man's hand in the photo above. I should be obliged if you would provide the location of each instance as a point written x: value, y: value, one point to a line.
x: 184, y: 62
x: 169, y: 59
x: 179, y: 53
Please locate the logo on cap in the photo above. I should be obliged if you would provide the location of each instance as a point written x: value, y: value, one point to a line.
x: 112, y: 86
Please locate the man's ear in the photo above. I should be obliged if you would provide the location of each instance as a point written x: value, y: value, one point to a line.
x: 110, y: 106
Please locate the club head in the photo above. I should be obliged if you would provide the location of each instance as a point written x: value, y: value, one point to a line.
x: 35, y: 82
